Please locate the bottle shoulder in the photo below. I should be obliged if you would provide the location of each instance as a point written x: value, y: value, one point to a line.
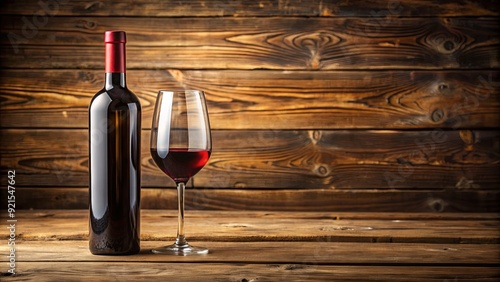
x: 116, y: 96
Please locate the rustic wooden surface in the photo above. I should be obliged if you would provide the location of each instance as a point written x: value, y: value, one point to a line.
x: 305, y: 199
x: 313, y: 169
x: 352, y: 142
x: 265, y: 99
x: 314, y: 105
x: 251, y: 43
x: 52, y: 245
x: 283, y: 159
x: 153, y: 8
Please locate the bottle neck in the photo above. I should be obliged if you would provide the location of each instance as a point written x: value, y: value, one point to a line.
x: 115, y: 79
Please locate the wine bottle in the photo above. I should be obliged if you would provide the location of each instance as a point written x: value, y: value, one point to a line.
x: 114, y: 158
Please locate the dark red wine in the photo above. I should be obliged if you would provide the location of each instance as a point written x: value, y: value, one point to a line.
x: 114, y: 159
x: 181, y: 164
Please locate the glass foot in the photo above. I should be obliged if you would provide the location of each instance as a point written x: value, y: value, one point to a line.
x: 181, y: 250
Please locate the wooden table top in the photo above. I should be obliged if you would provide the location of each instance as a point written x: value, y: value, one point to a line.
x: 51, y: 245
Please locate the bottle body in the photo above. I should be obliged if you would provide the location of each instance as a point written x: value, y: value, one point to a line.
x: 114, y: 169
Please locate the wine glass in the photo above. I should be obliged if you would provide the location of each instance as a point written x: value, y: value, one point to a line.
x: 180, y: 145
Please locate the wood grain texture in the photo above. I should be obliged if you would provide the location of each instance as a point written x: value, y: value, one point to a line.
x: 267, y: 246
x: 149, y: 214
x: 123, y: 271
x: 256, y: 43
x: 304, y: 200
x: 277, y: 252
x: 282, y: 159
x: 315, y: 105
x: 311, y: 8
x: 269, y: 99
x: 210, y: 226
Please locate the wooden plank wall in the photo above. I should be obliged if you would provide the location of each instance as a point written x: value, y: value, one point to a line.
x: 314, y: 105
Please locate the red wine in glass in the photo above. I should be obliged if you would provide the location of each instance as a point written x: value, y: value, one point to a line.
x: 181, y: 145
x: 181, y: 164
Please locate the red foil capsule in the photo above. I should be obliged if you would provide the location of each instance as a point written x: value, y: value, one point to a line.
x: 115, y: 51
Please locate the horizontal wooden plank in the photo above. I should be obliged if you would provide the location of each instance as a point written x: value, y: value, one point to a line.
x: 151, y: 214
x: 270, y: 99
x: 320, y: 252
x: 255, y: 43
x: 281, y: 159
x: 195, y: 8
x: 229, y: 227
x: 124, y: 271
x: 309, y: 199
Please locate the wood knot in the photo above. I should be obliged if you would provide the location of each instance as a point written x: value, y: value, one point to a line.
x: 449, y: 46
x: 315, y: 43
x: 465, y: 183
x: 444, y: 40
x: 443, y: 87
x: 93, y: 6
x: 86, y: 24
x: 437, y: 205
x: 87, y: 76
x: 469, y: 139
x: 437, y: 115
x: 315, y: 136
x: 467, y: 136
x: 322, y: 171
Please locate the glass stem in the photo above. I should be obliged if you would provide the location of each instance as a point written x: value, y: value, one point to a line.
x: 181, y: 238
